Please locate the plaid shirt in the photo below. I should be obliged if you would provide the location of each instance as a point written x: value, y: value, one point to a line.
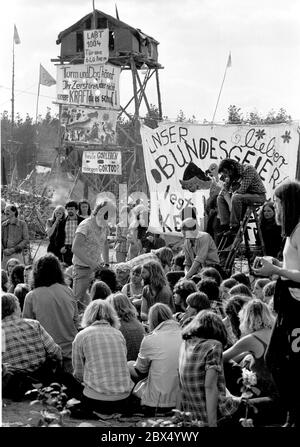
x: 99, y: 360
x: 250, y: 182
x: 70, y: 229
x: 26, y: 344
x: 195, y: 358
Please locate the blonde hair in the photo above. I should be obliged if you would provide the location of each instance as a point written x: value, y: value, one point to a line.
x: 158, y: 313
x: 58, y: 208
x: 99, y: 310
x: 254, y: 316
x: 122, y: 305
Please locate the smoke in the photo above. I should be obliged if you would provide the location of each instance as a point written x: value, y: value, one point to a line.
x: 61, y: 190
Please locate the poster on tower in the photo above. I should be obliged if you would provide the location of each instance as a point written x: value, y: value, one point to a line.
x: 96, y: 46
x: 89, y: 85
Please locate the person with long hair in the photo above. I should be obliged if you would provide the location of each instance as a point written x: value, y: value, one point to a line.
x: 16, y: 277
x: 4, y: 281
x: 283, y: 354
x: 258, y: 287
x: 134, y: 289
x: 243, y: 187
x: 240, y: 289
x: 256, y: 323
x: 158, y: 360
x: 271, y: 231
x: 183, y: 288
x: 241, y: 278
x: 84, y: 209
x: 99, y: 359
x: 132, y: 330
x: 195, y: 302
x: 232, y: 308
x: 55, y: 231
x: 20, y: 292
x: 156, y: 288
x: 201, y: 375
x: 52, y: 303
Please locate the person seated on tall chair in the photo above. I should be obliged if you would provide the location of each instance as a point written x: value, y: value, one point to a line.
x: 243, y: 186
x: 199, y: 248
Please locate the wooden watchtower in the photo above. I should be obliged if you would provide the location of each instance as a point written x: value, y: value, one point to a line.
x: 129, y: 49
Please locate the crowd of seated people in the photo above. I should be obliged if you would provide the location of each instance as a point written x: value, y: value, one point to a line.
x: 142, y: 330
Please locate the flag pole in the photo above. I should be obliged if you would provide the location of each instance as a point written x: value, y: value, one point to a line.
x: 12, y: 111
x: 38, y: 96
x: 227, y: 65
x: 94, y: 16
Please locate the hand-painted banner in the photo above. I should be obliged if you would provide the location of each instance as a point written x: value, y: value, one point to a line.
x: 96, y: 46
x: 92, y: 85
x: 88, y: 125
x: 271, y: 149
x: 102, y: 162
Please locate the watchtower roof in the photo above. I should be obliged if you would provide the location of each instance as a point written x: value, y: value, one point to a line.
x: 111, y: 20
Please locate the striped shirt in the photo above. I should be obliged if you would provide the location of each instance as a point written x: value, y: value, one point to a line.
x: 26, y: 344
x: 99, y: 359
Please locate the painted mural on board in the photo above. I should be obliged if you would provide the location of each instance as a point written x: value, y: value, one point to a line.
x: 87, y: 125
x: 272, y: 149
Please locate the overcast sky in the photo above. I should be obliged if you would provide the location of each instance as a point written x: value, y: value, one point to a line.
x: 195, y: 39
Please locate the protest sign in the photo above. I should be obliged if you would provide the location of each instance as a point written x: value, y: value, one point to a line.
x: 271, y: 149
x: 89, y: 85
x: 88, y: 125
x: 102, y: 162
x: 96, y: 46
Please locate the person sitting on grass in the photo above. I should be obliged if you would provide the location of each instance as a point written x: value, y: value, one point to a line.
x: 134, y: 289
x: 132, y: 330
x: 99, y: 358
x: 195, y: 302
x: 156, y: 288
x: 30, y: 354
x: 242, y: 278
x: 201, y: 375
x: 210, y: 287
x: 158, y: 360
x: 183, y: 288
x: 225, y: 286
x: 256, y: 322
x: 258, y: 287
x: 100, y: 291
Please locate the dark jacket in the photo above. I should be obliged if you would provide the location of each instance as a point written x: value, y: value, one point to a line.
x: 57, y: 239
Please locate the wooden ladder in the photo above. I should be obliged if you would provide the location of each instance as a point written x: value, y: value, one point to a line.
x: 228, y: 253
